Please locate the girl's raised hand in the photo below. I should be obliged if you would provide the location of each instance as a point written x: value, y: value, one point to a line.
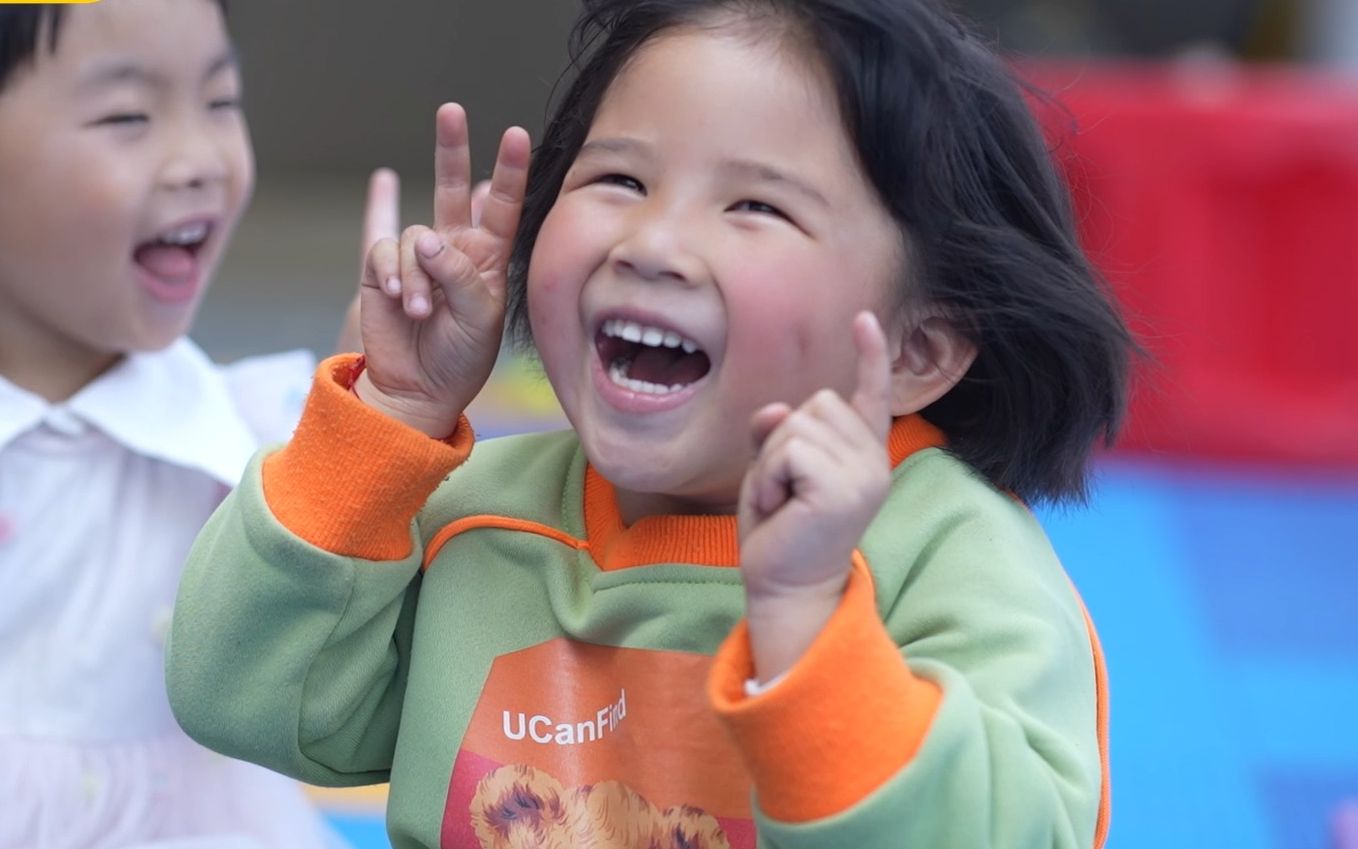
x: 819, y: 477
x: 433, y: 301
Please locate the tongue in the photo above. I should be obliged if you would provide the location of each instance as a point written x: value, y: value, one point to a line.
x: 668, y: 366
x: 166, y: 261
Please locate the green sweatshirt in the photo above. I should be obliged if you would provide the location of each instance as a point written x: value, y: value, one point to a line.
x: 527, y: 671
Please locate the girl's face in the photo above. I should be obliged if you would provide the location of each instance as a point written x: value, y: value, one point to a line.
x: 125, y: 164
x: 708, y: 251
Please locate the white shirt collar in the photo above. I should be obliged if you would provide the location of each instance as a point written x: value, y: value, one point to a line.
x: 172, y: 405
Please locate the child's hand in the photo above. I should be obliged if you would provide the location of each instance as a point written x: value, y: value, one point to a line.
x: 382, y: 220
x: 433, y: 302
x: 819, y: 478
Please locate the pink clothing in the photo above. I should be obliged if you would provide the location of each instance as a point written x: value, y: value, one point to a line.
x: 100, y: 498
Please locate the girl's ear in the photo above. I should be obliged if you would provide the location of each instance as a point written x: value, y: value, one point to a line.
x: 929, y: 358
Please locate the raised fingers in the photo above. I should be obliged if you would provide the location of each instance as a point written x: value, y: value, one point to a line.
x: 872, y: 395
x: 504, y: 202
x: 452, y: 169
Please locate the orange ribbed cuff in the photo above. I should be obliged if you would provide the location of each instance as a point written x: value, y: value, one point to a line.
x: 847, y: 717
x: 352, y: 479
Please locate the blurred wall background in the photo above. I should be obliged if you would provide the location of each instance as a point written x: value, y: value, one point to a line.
x: 336, y: 89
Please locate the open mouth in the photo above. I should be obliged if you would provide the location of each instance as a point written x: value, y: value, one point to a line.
x: 649, y: 360
x: 173, y: 256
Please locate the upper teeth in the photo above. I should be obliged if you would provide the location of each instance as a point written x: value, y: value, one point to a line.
x: 653, y: 337
x: 189, y: 234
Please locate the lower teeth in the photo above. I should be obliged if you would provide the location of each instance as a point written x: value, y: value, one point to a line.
x: 618, y: 374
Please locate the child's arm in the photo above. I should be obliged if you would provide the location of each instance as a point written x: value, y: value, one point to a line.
x: 292, y: 626
x: 819, y: 477
x: 962, y: 716
x: 953, y: 699
x: 291, y: 631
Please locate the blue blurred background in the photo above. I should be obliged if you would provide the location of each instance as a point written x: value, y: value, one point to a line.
x: 1212, y: 148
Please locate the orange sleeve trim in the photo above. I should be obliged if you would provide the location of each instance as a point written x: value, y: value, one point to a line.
x: 847, y: 717
x: 352, y: 479
x: 1101, y: 720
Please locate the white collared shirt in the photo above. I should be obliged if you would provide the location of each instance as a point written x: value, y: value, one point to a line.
x: 100, y: 499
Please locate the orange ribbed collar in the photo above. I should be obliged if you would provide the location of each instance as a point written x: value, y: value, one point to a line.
x: 701, y: 540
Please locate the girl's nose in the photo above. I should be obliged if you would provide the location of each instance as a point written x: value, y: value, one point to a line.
x: 657, y: 249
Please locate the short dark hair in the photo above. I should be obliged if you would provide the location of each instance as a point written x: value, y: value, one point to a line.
x: 942, y: 130
x: 21, y: 26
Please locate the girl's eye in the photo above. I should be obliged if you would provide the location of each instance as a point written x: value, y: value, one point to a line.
x: 760, y: 207
x: 123, y: 119
x: 225, y: 104
x: 624, y: 181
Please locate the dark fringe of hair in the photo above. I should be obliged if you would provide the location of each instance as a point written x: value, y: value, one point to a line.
x: 943, y: 132
x: 20, y: 27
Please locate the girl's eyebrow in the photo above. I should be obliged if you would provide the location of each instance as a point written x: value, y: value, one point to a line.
x: 615, y: 145
x: 115, y: 71
x: 762, y: 172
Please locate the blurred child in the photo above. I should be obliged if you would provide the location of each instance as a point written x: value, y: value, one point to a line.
x: 124, y: 165
x: 806, y: 285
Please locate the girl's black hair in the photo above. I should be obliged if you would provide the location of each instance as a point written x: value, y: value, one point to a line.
x: 21, y: 28
x: 943, y: 131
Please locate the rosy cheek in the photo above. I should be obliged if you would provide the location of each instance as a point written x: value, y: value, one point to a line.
x: 788, y: 335
x: 553, y: 312
x: 762, y: 318
x: 561, y: 263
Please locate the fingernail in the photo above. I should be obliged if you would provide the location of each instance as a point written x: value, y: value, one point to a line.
x: 429, y: 245
x: 393, y: 286
x: 419, y: 304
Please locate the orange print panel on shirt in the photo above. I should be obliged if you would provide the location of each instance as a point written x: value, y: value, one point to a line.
x: 573, y: 744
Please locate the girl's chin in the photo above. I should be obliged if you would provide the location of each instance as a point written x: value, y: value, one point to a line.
x: 652, y: 488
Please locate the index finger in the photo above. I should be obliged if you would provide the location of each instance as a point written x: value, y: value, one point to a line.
x: 382, y: 215
x: 452, y: 169
x: 872, y: 396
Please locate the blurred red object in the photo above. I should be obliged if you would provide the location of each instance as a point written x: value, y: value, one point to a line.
x: 1222, y: 205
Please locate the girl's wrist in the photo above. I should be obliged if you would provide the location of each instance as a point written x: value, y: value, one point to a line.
x: 783, y: 625
x: 438, y: 426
